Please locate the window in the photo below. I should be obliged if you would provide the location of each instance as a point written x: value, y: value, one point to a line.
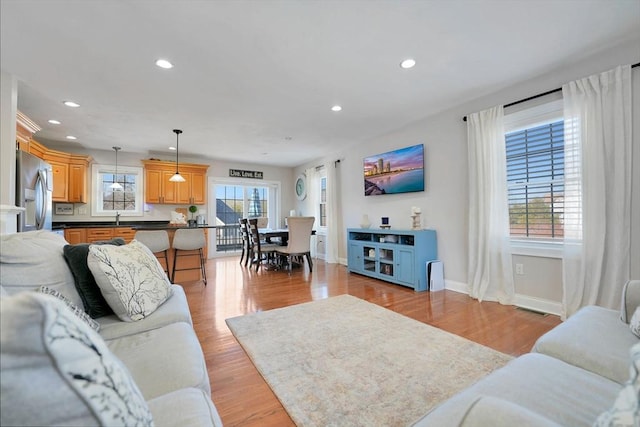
x: 323, y: 202
x: 535, y: 178
x: 236, y: 200
x: 241, y: 201
x: 535, y: 173
x: 108, y: 202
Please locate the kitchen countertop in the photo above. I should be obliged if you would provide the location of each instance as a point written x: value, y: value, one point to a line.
x: 136, y: 225
x: 58, y: 225
x: 169, y: 227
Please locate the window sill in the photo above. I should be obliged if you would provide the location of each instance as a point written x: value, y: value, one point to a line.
x: 536, y: 248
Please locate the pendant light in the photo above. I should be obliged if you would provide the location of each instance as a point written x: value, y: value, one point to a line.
x: 177, y: 177
x: 116, y: 185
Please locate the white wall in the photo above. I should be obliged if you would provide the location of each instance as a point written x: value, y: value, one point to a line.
x: 444, y: 203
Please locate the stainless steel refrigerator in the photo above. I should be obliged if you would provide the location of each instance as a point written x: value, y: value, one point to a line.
x: 34, y: 184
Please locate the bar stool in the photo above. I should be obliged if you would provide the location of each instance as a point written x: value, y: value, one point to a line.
x: 157, y: 242
x: 189, y: 240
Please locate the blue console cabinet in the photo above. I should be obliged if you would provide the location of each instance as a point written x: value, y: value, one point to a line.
x: 397, y: 256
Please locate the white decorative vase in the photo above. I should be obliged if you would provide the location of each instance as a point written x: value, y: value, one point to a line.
x: 365, y: 223
x: 416, y: 223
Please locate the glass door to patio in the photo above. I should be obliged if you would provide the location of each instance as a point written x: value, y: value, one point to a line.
x: 235, y: 201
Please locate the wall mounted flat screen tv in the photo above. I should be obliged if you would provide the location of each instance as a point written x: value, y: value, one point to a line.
x: 398, y: 171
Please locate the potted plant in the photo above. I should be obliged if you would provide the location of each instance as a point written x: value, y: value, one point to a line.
x: 193, y: 209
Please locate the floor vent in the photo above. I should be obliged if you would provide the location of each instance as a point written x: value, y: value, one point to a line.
x: 531, y: 310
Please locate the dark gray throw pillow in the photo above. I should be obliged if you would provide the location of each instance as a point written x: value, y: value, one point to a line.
x: 76, y: 256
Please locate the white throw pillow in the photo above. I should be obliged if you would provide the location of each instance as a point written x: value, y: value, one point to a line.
x: 130, y: 278
x: 56, y: 370
x: 33, y: 259
x: 634, y: 323
x: 626, y: 409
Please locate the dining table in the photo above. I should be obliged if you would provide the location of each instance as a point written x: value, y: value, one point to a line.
x: 271, y: 234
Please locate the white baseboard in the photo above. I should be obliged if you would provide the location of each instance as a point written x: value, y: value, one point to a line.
x: 452, y: 285
x: 538, y: 304
x: 523, y: 301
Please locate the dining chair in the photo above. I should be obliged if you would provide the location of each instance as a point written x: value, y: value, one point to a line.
x: 299, y: 243
x: 263, y: 221
x: 258, y: 248
x: 246, y: 241
x: 186, y: 239
x: 158, y: 242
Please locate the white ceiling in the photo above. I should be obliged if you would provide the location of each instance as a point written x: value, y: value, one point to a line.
x: 255, y: 80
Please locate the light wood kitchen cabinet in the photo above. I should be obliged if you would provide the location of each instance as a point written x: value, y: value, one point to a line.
x: 75, y: 235
x: 60, y: 173
x: 197, y: 188
x: 193, y: 190
x: 99, y: 233
x: 126, y: 233
x: 70, y: 175
x: 78, y: 185
x: 70, y: 171
x: 159, y: 190
x: 107, y: 233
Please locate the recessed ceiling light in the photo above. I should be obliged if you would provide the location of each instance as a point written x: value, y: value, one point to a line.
x: 172, y: 148
x: 54, y: 122
x: 336, y: 108
x: 71, y: 137
x: 163, y: 63
x: 408, y: 63
x: 71, y: 104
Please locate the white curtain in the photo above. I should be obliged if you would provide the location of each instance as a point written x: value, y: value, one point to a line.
x: 490, y: 271
x: 597, y: 224
x: 333, y: 213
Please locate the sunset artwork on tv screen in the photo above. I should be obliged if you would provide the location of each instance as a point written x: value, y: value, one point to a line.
x: 398, y: 171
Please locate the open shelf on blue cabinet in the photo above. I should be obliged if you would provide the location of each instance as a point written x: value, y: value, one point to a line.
x: 397, y: 256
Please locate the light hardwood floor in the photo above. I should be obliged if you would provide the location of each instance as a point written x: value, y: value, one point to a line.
x: 238, y: 390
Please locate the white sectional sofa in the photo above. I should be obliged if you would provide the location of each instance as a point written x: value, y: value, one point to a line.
x: 42, y: 379
x: 583, y: 372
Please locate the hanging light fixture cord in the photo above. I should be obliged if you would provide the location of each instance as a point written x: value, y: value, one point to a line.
x: 177, y: 177
x: 116, y: 185
x: 177, y: 132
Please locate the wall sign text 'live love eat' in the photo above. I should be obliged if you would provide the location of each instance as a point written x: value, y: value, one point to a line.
x: 239, y: 173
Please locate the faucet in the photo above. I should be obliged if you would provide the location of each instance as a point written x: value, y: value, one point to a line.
x: 117, y: 218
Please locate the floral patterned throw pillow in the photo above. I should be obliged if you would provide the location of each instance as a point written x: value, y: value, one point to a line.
x: 634, y: 323
x: 626, y: 409
x: 130, y: 278
x: 56, y: 370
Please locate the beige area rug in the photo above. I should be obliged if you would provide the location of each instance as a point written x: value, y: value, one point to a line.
x: 345, y: 362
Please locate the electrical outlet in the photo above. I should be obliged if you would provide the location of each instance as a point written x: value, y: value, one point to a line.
x: 520, y: 269
x: 82, y: 211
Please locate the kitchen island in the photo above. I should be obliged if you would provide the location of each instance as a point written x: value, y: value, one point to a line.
x: 88, y: 232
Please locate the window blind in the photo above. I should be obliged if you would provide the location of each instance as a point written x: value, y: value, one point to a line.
x: 535, y: 180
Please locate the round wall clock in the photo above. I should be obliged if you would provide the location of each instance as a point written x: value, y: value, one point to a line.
x: 301, y: 187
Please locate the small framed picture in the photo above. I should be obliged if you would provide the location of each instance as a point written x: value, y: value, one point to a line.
x: 64, y: 208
